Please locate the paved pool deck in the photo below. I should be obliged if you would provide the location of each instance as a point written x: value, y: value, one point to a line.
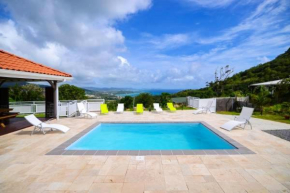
x: 25, y: 167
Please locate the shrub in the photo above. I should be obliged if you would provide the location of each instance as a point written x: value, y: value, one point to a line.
x: 112, y: 105
x: 128, y: 102
x: 285, y: 108
x: 144, y: 98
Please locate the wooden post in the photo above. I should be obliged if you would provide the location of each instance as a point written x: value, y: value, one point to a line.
x: 49, y: 102
x: 4, y: 98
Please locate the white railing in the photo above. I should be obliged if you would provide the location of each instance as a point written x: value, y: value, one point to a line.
x: 62, y: 109
x: 94, y: 106
x: 65, y: 108
x: 28, y: 107
x: 72, y: 108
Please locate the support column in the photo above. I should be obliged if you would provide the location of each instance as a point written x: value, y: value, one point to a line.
x: 56, y: 98
x: 49, y: 102
x: 4, y: 98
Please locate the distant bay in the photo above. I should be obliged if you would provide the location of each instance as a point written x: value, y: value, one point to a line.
x: 152, y: 92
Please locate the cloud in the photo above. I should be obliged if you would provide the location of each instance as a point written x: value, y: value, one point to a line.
x: 211, y: 3
x: 265, y: 19
x: 258, y: 38
x: 83, y: 39
x: 124, y: 61
x: 169, y: 41
x: 74, y: 36
x: 263, y: 59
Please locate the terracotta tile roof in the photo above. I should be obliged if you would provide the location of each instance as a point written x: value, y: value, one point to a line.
x: 12, y: 62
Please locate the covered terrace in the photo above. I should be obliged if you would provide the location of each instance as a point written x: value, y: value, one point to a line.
x: 17, y: 69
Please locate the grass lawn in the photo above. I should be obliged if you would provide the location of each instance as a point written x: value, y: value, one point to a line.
x: 39, y: 115
x: 277, y: 118
x: 185, y: 108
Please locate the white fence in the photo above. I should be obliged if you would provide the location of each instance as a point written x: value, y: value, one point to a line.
x: 94, y: 105
x: 199, y: 103
x: 28, y: 107
x: 65, y: 108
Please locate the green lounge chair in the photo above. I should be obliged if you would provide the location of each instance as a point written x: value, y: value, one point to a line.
x: 171, y: 107
x: 104, y: 109
x: 139, y: 109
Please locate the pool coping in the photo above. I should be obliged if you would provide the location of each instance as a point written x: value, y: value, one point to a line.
x: 61, y: 149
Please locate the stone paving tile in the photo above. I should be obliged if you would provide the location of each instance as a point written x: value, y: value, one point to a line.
x: 122, y: 152
x: 267, y: 181
x: 227, y: 175
x: 90, y: 152
x: 24, y: 167
x: 155, y: 152
x: 175, y: 182
x: 133, y: 153
x: 204, y: 187
x: 133, y: 188
x: 242, y: 187
x: 106, y: 188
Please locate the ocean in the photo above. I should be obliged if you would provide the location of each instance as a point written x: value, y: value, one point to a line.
x: 152, y: 92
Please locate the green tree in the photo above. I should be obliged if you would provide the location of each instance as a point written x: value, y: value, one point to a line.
x: 28, y: 92
x: 164, y: 98
x: 144, y: 98
x: 128, y: 102
x: 71, y: 92
x: 112, y: 105
x: 15, y: 93
x: 261, y: 99
x: 32, y: 92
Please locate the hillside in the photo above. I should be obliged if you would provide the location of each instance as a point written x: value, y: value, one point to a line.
x: 279, y: 68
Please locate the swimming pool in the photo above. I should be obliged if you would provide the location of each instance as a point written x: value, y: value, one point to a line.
x: 151, y: 136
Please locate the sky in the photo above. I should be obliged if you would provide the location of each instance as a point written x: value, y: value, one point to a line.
x: 151, y: 44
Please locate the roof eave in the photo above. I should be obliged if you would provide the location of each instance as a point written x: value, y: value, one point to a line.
x: 32, y: 76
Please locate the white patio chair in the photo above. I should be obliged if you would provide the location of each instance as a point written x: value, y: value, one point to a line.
x: 204, y: 109
x: 83, y: 111
x: 120, y: 108
x: 157, y: 107
x: 41, y: 125
x: 242, y: 119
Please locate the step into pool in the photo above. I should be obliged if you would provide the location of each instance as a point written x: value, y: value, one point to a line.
x: 151, y: 136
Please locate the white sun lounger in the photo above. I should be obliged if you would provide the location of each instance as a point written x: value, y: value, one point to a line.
x: 204, y: 109
x: 157, y: 107
x: 242, y: 119
x: 41, y: 125
x: 120, y: 108
x: 83, y: 111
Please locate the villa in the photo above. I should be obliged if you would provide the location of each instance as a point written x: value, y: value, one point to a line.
x: 127, y: 153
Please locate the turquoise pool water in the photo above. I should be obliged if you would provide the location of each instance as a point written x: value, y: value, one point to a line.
x: 150, y: 136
